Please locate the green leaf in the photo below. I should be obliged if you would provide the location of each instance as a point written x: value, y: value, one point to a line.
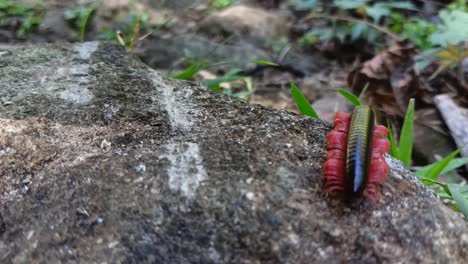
x: 302, y: 102
x: 249, y: 91
x: 453, y: 29
x: 428, y: 182
x: 372, y: 34
x: 364, y: 91
x: 71, y: 14
x: 305, y: 4
x: 231, y: 72
x: 393, y: 145
x: 357, y: 30
x: 377, y: 11
x: 439, y: 166
x: 214, y: 84
x: 222, y: 79
x: 418, y: 31
x: 189, y: 72
x: 220, y: 4
x: 4, y: 4
x: 350, y: 97
x: 452, y: 165
x: 463, y: 189
x: 346, y: 4
x: 322, y: 34
x: 443, y: 194
x: 265, y: 62
x: 423, y: 59
x: 406, y: 137
x: 401, y: 5
x: 84, y: 20
x: 459, y: 198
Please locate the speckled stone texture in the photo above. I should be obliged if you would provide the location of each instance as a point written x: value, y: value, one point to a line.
x: 103, y: 160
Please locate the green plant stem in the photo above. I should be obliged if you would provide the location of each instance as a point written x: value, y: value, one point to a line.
x: 405, y: 147
x: 85, y: 19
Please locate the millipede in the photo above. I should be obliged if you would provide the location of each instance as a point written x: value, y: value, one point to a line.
x: 355, y: 161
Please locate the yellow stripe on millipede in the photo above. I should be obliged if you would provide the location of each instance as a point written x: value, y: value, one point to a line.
x: 358, y: 149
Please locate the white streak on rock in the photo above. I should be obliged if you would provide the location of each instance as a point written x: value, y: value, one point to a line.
x: 176, y: 110
x: 77, y: 95
x: 87, y: 49
x: 396, y: 167
x: 71, y: 83
x: 186, y: 170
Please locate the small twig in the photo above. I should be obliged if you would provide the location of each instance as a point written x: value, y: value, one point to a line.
x: 461, y: 70
x: 283, y: 53
x: 352, y: 19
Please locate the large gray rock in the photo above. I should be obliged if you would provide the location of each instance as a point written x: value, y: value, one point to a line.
x: 102, y: 160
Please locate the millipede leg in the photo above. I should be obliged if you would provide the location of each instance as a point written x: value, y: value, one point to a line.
x: 378, y: 167
x: 334, y: 166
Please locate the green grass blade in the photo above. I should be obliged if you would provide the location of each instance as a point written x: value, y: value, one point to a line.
x: 443, y: 195
x: 459, y: 198
x: 463, y: 189
x: 439, y: 166
x: 84, y: 21
x: 224, y: 79
x: 453, y: 164
x: 265, y: 62
x: 364, y: 91
x: 302, y: 102
x: 428, y: 182
x: 350, y: 97
x: 406, y: 137
x: 393, y: 145
x: 189, y: 72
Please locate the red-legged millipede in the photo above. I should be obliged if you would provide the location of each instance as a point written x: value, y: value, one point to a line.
x: 355, y: 162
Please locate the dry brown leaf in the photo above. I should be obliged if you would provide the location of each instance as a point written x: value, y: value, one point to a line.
x: 390, y: 78
x: 382, y: 66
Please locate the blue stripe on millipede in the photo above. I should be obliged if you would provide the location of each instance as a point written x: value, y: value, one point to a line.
x: 358, y: 173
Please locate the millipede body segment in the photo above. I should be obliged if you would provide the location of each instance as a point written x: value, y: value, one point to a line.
x: 355, y: 162
x: 358, y: 149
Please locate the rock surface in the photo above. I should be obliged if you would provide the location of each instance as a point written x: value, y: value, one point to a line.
x: 245, y: 20
x: 102, y: 160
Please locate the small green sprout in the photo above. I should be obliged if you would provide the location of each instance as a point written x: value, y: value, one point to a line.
x: 265, y: 62
x: 302, y: 103
x: 403, y: 151
x: 81, y: 16
x: 350, y: 97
